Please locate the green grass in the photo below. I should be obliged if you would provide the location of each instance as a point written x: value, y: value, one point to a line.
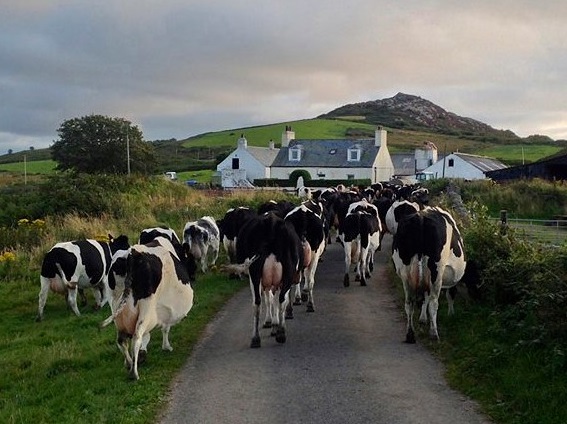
x: 202, y: 176
x: 514, y: 384
x: 517, y: 152
x: 261, y: 135
x: 65, y: 369
x: 31, y: 167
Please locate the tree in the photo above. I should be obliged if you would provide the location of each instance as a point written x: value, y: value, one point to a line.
x: 98, y: 144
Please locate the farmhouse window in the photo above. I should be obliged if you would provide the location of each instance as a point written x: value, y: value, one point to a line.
x: 235, y: 163
x: 451, y: 162
x: 353, y: 154
x: 295, y: 154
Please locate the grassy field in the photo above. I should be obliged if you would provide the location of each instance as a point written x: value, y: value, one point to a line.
x: 261, y: 135
x: 66, y: 369
x: 518, y: 152
x: 31, y: 167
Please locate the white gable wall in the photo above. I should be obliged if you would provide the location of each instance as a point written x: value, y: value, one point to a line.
x: 249, y: 166
x: 460, y: 169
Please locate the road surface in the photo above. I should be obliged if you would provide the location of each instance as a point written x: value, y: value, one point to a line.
x: 344, y: 363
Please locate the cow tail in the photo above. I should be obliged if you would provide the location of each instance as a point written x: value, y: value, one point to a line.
x: 63, y: 278
x: 424, y: 284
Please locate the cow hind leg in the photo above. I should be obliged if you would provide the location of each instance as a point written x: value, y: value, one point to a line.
x: 433, y: 306
x: 255, y: 342
x: 43, y: 291
x: 423, y: 314
x: 83, y: 297
x: 409, y: 307
x: 165, y: 345
x: 267, y: 295
x: 451, y: 294
x: 136, y: 344
x: 72, y: 299
x: 281, y: 306
x: 298, y: 298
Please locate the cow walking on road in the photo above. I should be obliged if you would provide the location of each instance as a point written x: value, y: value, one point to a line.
x: 428, y: 255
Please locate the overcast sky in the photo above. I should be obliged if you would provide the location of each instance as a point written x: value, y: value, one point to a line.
x: 181, y: 68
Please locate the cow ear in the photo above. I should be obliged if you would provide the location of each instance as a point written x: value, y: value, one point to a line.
x: 110, y: 238
x: 206, y: 237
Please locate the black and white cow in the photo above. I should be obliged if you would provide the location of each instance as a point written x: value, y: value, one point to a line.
x: 79, y: 264
x: 397, y: 211
x: 118, y: 269
x: 280, y: 208
x: 310, y: 229
x: 157, y: 293
x: 276, y: 249
x: 360, y: 235
x: 201, y: 236
x: 149, y: 234
x: 428, y: 254
x: 230, y: 225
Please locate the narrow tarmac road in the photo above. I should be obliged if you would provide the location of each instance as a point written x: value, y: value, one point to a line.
x: 344, y: 363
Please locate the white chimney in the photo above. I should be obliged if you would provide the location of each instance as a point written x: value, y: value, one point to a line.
x: 287, y: 136
x: 380, y: 137
x: 425, y: 156
x: 384, y: 167
x: 242, y: 142
x: 271, y: 145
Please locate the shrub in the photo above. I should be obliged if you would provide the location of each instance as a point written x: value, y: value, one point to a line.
x: 294, y: 176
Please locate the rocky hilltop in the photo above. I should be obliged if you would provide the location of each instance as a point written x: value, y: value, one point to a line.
x: 406, y: 111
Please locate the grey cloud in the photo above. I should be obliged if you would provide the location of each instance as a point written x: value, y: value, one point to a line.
x: 180, y: 68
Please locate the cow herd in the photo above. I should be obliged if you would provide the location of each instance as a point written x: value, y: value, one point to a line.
x: 277, y: 246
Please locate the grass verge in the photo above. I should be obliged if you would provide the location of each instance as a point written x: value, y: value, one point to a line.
x: 65, y: 369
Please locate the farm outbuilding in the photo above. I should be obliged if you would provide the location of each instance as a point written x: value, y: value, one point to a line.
x: 551, y: 168
x: 462, y: 165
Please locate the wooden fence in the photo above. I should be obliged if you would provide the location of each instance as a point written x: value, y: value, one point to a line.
x: 547, y: 231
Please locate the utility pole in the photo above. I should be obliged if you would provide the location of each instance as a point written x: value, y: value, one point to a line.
x: 127, y: 150
x: 25, y: 171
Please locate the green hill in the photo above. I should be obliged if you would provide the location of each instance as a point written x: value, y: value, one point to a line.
x: 205, y: 150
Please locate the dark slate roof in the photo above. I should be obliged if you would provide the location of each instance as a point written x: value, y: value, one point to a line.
x: 404, y: 163
x: 482, y: 162
x: 328, y: 153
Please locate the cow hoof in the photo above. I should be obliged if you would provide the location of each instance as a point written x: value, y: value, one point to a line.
x: 357, y: 277
x: 433, y: 335
x: 280, y: 336
x: 304, y: 296
x: 255, y: 342
x: 39, y: 318
x: 267, y: 324
x: 142, y: 356
x: 410, y: 337
x: 363, y: 282
x: 297, y: 301
x: 289, y: 314
x: 310, y: 307
x: 346, y: 281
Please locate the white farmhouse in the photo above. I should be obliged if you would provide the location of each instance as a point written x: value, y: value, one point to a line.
x: 462, y: 165
x: 245, y: 164
x: 341, y: 159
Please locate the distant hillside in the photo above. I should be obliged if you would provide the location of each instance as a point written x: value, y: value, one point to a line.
x: 405, y: 111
